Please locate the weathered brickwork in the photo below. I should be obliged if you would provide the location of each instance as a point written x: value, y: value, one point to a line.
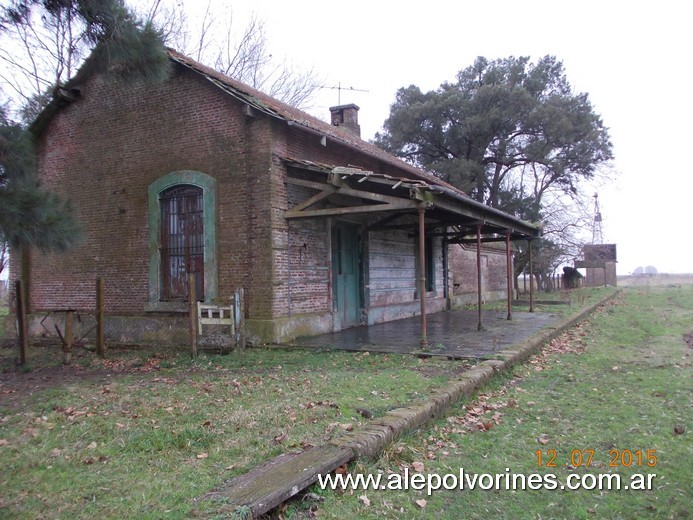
x: 110, y: 151
x: 463, y: 272
x: 103, y: 152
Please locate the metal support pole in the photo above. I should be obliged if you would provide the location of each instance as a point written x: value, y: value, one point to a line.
x: 446, y: 274
x: 509, y: 274
x: 422, y: 277
x: 480, y: 326
x: 531, y: 278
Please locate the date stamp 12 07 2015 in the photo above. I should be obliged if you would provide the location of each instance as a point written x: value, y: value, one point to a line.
x: 617, y: 458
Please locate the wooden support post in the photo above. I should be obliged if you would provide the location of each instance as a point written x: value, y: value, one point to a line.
x: 100, y: 344
x: 68, y: 336
x: 509, y: 274
x: 480, y: 326
x: 531, y: 278
x: 21, y: 321
x: 192, y: 311
x: 239, y: 317
x: 422, y: 277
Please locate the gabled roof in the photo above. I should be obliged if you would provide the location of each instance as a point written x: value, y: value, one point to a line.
x: 462, y: 205
x: 294, y: 116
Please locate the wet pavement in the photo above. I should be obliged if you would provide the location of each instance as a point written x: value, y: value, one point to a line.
x: 452, y: 334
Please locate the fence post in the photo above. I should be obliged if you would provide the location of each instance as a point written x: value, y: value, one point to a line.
x: 21, y: 321
x: 239, y: 318
x: 69, y: 337
x: 192, y: 311
x: 100, y: 345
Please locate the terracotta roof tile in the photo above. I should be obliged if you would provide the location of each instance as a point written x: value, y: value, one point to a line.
x: 287, y: 112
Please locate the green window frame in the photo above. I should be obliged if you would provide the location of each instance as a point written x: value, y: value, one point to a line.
x: 156, y: 189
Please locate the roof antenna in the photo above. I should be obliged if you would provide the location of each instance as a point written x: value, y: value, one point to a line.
x: 339, y: 89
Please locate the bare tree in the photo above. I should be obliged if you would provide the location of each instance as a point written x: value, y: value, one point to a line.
x: 243, y: 55
x: 4, y: 256
x: 36, y: 54
x: 43, y: 52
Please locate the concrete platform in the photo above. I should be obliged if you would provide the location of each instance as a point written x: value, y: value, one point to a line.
x: 452, y: 334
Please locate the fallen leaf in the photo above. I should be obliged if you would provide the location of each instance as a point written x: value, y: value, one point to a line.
x: 202, y: 455
x: 421, y: 503
x: 679, y: 429
x: 4, y: 442
x: 364, y: 499
x: 417, y: 466
x: 347, y: 427
x: 92, y: 446
x: 543, y: 439
x: 279, y: 438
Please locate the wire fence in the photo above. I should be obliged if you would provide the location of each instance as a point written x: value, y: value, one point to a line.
x: 205, y: 326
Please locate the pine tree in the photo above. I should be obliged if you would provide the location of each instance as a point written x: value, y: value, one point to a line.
x: 31, y: 216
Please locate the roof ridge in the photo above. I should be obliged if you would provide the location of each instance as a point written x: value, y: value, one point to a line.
x: 282, y: 110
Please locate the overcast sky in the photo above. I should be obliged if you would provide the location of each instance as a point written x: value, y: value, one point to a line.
x: 632, y: 58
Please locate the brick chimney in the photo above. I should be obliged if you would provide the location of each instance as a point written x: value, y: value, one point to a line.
x: 348, y: 117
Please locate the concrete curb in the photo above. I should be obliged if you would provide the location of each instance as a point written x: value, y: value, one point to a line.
x: 371, y: 440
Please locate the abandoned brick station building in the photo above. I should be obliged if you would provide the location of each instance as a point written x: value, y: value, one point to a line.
x: 203, y: 174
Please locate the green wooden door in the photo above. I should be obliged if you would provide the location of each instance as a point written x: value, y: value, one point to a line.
x: 345, y: 273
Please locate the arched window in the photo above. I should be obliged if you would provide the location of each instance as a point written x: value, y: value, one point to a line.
x: 182, y: 246
x: 182, y: 239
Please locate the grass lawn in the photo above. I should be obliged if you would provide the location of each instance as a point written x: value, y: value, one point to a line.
x: 146, y: 431
x: 142, y: 433
x: 616, y: 386
x: 4, y: 311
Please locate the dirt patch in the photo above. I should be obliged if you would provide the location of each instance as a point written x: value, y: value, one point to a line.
x: 45, y: 370
x: 688, y: 338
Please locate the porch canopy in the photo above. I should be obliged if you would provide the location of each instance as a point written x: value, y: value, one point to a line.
x: 440, y: 210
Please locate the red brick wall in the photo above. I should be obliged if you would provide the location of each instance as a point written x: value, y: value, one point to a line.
x: 463, y: 269
x: 103, y: 151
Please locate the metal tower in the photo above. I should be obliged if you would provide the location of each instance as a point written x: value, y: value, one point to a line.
x: 597, y: 236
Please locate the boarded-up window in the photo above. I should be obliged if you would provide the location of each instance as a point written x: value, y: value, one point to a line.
x: 182, y: 242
